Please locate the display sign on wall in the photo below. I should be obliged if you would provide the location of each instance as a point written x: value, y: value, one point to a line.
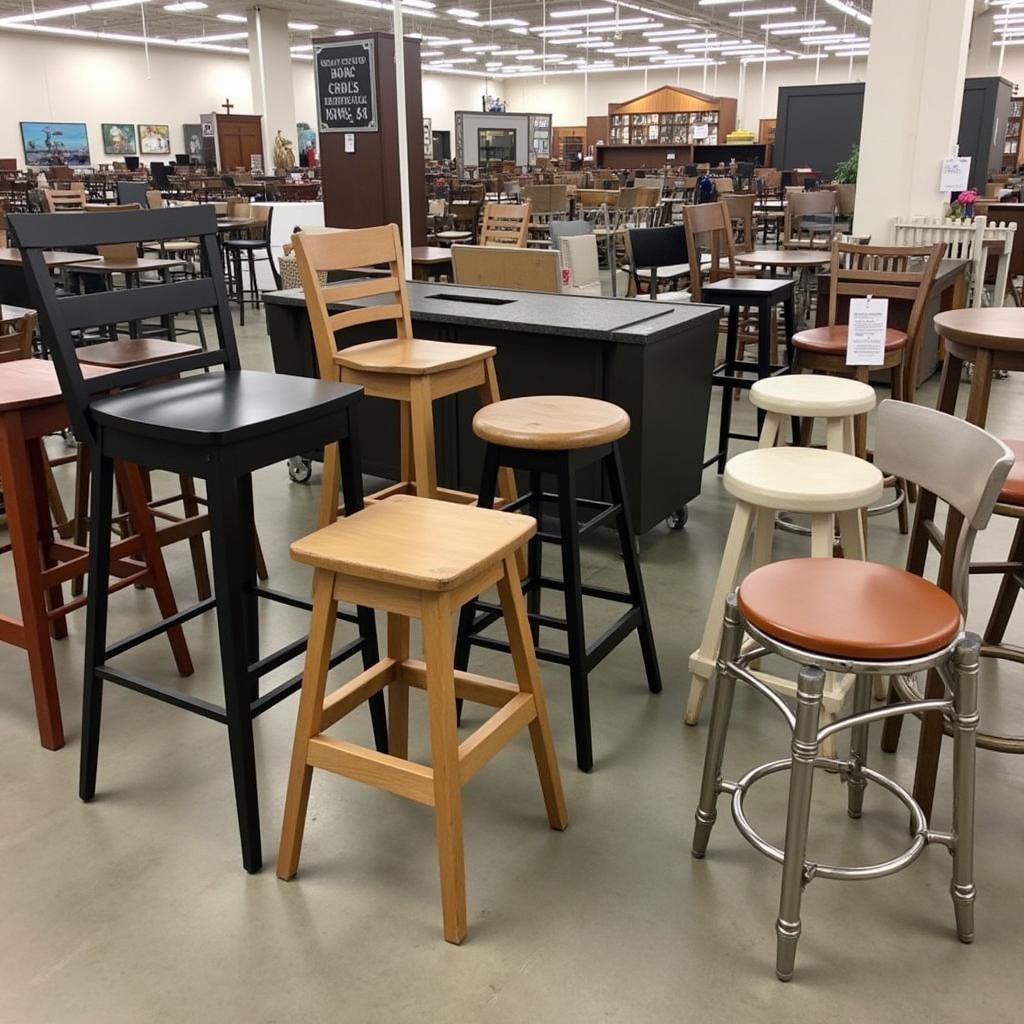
x: 346, y: 98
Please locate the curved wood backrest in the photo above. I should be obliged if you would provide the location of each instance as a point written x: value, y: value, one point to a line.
x: 710, y: 226
x: 16, y: 338
x: 319, y: 253
x: 505, y: 224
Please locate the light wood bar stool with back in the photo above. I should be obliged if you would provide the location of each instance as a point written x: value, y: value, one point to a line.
x: 413, y: 372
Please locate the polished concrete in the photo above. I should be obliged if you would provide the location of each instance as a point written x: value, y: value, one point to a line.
x: 135, y: 908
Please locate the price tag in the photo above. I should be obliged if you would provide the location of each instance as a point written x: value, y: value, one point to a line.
x: 700, y: 131
x: 350, y: 142
x: 865, y: 344
x: 956, y: 174
x: 566, y: 277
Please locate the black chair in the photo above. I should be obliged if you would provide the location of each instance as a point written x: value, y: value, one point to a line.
x: 129, y: 192
x: 657, y: 255
x: 258, y: 242
x: 216, y: 426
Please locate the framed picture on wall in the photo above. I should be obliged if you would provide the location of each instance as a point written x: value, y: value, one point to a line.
x: 48, y: 143
x: 154, y: 139
x: 119, y: 140
x: 193, y: 135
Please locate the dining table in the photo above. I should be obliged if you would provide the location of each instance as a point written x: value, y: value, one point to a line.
x: 13, y: 286
x: 802, y: 263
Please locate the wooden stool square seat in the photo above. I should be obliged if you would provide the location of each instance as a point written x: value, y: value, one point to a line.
x: 418, y: 558
x: 412, y: 356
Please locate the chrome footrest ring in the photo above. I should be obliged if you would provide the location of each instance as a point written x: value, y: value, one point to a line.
x: 835, y: 871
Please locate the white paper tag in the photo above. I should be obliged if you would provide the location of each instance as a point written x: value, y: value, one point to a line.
x: 956, y: 174
x: 350, y: 142
x: 865, y: 345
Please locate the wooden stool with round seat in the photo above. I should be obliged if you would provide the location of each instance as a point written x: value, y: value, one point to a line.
x: 828, y: 486
x: 842, y: 615
x: 418, y: 559
x: 405, y: 369
x: 559, y: 436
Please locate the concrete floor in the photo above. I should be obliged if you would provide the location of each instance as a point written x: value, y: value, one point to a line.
x: 135, y: 908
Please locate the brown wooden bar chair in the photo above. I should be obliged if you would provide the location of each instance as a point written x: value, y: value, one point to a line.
x: 902, y: 273
x: 418, y: 559
x: 405, y: 369
x: 505, y: 224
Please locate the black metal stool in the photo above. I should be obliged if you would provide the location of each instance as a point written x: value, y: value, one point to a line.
x: 559, y: 436
x: 219, y: 427
x: 736, y: 293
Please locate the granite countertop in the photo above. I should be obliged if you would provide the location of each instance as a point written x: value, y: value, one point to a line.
x: 628, y: 321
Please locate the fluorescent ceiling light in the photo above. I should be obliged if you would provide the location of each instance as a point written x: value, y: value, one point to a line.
x: 580, y: 12
x: 777, y: 25
x: 762, y: 60
x: 431, y: 53
x: 849, y: 9
x: 57, y: 12
x: 466, y: 41
x: 762, y: 12
x: 302, y: 26
x: 462, y: 12
x: 222, y: 37
x: 344, y: 32
x: 184, y: 6
x: 239, y: 19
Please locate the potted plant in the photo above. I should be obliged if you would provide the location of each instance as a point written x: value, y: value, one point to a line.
x: 963, y: 206
x: 845, y: 180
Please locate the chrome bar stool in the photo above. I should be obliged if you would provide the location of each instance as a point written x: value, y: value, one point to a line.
x: 894, y: 624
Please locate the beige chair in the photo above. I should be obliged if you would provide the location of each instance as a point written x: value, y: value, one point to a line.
x: 403, y: 369
x: 580, y: 271
x: 527, y: 270
x: 63, y: 201
x: 505, y: 224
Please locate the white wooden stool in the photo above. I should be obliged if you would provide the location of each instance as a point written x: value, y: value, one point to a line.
x: 828, y: 486
x: 837, y: 400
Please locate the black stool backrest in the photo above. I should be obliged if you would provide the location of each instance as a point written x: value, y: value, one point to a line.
x: 60, y: 315
x: 658, y: 247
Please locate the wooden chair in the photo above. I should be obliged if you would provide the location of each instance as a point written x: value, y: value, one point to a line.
x: 505, y: 224
x: 61, y: 202
x: 741, y: 213
x: 809, y: 221
x: 528, y: 270
x: 412, y: 372
x: 465, y: 224
x: 418, y: 559
x: 903, y: 273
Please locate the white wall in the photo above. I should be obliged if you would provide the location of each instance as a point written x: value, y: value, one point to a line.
x: 444, y: 94
x: 96, y: 82
x: 571, y: 98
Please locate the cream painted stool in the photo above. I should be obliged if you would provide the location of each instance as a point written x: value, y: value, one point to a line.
x: 836, y: 400
x: 826, y: 485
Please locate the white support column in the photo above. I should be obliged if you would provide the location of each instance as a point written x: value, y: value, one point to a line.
x: 270, y: 71
x: 912, y: 102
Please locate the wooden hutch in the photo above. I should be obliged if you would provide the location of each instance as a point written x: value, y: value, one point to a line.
x: 669, y: 125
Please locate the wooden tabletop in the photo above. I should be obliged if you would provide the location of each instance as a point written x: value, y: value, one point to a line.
x: 33, y: 382
x: 431, y: 254
x: 235, y: 223
x: 784, y: 258
x: 995, y: 327
x: 135, y: 266
x: 12, y: 258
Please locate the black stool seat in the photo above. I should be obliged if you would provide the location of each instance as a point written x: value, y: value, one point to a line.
x: 763, y: 295
x: 748, y: 291
x: 223, y: 408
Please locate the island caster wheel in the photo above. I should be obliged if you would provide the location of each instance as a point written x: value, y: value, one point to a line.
x: 678, y: 519
x: 300, y: 469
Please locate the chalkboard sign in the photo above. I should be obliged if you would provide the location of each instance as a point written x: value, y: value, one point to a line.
x: 346, y: 96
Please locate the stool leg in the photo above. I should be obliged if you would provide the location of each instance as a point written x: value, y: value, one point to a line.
x: 822, y: 535
x: 37, y: 463
x: 855, y: 781
x: 489, y: 394
x: 721, y: 711
x: 307, y: 725
x: 23, y: 525
x: 195, y: 543
x: 1006, y: 598
x: 330, y: 487
x: 398, y: 692
x: 80, y: 535
x: 851, y: 534
x: 770, y: 433
x: 535, y: 549
x: 422, y: 425
x: 631, y: 563
x: 568, y: 527
x: 102, y: 509
x: 232, y: 556
x: 727, y: 390
x: 528, y: 677
x: 764, y: 537
x: 810, y: 686
x: 728, y: 576
x: 439, y: 657
x: 965, y: 727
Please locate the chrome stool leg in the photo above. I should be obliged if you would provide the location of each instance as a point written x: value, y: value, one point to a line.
x: 855, y: 780
x: 965, y: 703
x: 721, y: 711
x: 810, y: 687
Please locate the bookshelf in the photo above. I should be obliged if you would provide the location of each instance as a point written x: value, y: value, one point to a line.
x: 1012, y: 156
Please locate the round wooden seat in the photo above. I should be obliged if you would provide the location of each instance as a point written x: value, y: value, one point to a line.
x: 847, y: 608
x: 813, y: 395
x: 411, y: 356
x: 551, y: 423
x: 833, y: 340
x: 802, y: 480
x: 1013, y: 490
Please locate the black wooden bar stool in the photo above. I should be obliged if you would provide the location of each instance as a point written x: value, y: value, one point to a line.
x: 218, y: 427
x: 763, y: 296
x: 559, y: 436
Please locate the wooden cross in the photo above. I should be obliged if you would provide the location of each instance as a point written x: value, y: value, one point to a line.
x: 227, y: 105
